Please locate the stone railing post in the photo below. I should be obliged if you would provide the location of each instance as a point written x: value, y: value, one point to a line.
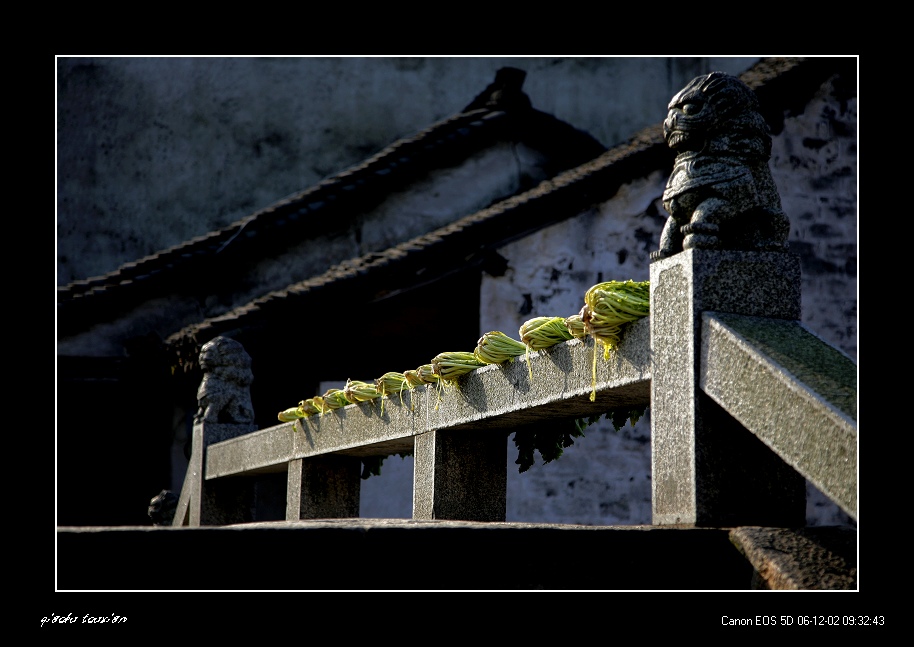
x: 707, y: 469
x: 460, y: 475
x: 323, y: 487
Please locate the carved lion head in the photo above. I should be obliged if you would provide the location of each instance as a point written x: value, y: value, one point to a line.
x: 716, y: 112
x: 223, y: 351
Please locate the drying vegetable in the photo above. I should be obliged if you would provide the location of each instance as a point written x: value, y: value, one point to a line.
x: 335, y: 399
x: 450, y: 366
x: 496, y: 347
x: 318, y: 403
x: 291, y: 415
x: 609, y: 306
x: 543, y: 332
x: 412, y: 379
x: 391, y: 382
x: 575, y: 325
x: 358, y: 391
x: 308, y: 407
x: 427, y: 374
x: 429, y: 377
x: 304, y: 409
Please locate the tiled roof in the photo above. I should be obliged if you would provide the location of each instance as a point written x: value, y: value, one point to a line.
x: 470, y: 243
x: 504, y: 114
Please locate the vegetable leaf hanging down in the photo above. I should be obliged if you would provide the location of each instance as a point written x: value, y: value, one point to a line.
x: 551, y: 438
x: 620, y: 416
x: 371, y: 465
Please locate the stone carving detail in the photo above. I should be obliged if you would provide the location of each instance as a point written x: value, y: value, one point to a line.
x: 720, y: 194
x: 224, y: 395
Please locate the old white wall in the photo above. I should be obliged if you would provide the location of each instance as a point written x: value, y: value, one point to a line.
x: 816, y: 172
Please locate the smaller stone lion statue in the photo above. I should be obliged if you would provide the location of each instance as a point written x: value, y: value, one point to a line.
x: 720, y: 194
x: 224, y: 393
x: 162, y: 508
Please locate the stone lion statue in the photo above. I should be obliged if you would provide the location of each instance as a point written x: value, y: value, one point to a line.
x: 162, y: 508
x: 720, y: 194
x: 224, y: 394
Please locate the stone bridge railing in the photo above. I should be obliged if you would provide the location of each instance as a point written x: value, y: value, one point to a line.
x: 746, y: 404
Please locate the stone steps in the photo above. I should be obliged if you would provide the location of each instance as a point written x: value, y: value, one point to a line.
x: 404, y: 554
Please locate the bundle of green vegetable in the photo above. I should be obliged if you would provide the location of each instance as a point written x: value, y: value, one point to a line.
x: 304, y: 409
x: 575, y: 325
x: 426, y: 373
x: 496, y: 347
x: 391, y: 382
x: 308, y: 408
x: 358, y: 391
x: 318, y: 403
x: 290, y: 415
x: 450, y: 366
x: 335, y: 399
x: 412, y: 379
x: 608, y: 306
x: 542, y: 332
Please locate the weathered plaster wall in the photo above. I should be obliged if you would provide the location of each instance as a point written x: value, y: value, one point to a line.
x: 815, y: 168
